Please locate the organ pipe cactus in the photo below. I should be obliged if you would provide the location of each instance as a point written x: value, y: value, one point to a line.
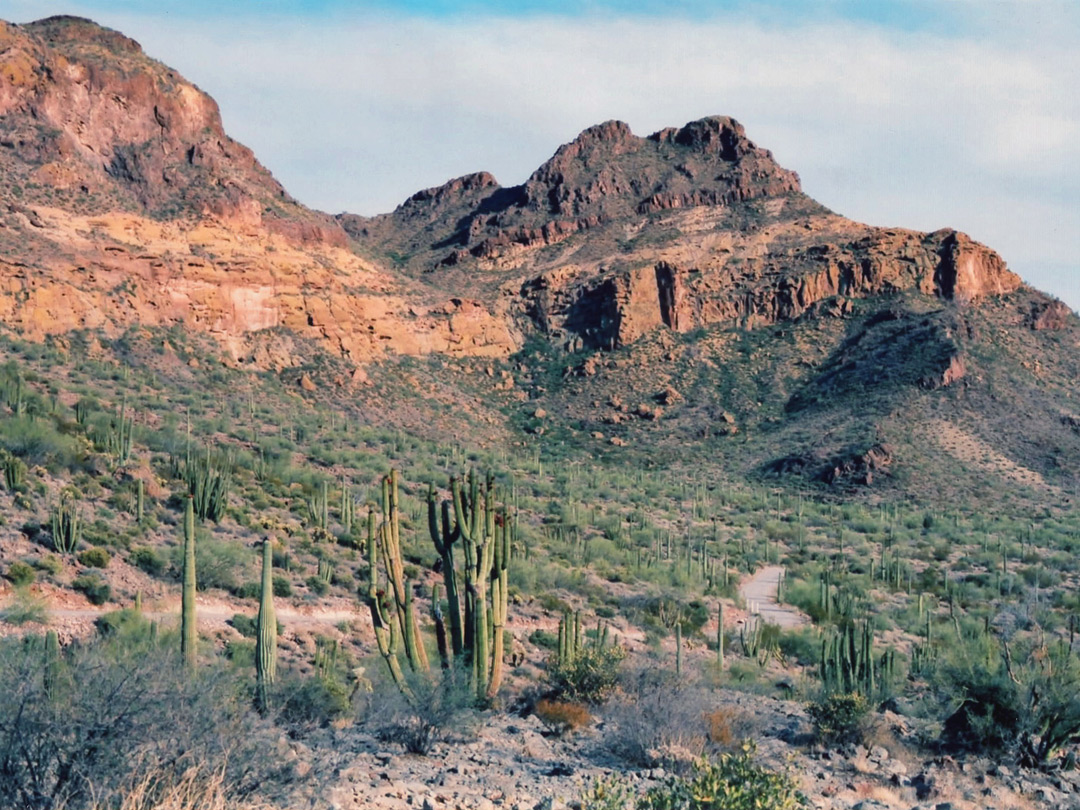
x: 401, y: 588
x: 66, y: 527
x: 188, y: 632
x: 387, y: 632
x: 266, y: 630
x: 444, y: 537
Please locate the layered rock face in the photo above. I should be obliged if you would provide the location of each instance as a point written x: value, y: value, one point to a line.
x: 748, y: 285
x: 127, y: 203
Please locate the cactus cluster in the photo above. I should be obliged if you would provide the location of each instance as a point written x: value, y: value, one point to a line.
x: 14, y: 472
x: 116, y: 440
x: 318, y: 505
x: 66, y: 526
x: 393, y: 614
x: 208, y: 482
x: 485, y: 532
x: 572, y: 640
x: 848, y: 663
x: 326, y: 656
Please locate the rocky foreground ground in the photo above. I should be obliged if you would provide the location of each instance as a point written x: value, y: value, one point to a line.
x: 514, y: 762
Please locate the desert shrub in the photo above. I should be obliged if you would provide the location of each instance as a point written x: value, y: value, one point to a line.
x: 1025, y: 703
x: 562, y: 716
x: 307, y: 701
x: 37, y: 441
x: 246, y: 626
x: 126, y: 624
x: 93, y: 587
x: 50, y: 564
x: 733, y: 782
x: 656, y: 720
x: 435, y: 709
x: 95, y: 558
x: 544, y: 639
x: 25, y: 608
x: 148, y: 560
x: 318, y: 586
x: 609, y: 793
x: 282, y: 586
x: 119, y: 718
x: 589, y: 676
x: 218, y: 563
x: 840, y: 718
x: 19, y: 573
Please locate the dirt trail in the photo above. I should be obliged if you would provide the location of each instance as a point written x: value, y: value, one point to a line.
x: 759, y: 592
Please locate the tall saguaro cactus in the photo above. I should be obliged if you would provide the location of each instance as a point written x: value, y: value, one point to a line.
x: 387, y: 632
x: 444, y: 537
x: 476, y: 520
x: 390, y: 544
x: 188, y: 631
x: 266, y: 630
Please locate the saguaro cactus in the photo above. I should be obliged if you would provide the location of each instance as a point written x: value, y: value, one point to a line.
x: 266, y: 630
x: 390, y: 544
x: 444, y: 537
x: 188, y: 631
x: 387, y: 633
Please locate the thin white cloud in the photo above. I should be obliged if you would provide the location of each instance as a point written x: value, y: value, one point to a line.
x: 975, y: 128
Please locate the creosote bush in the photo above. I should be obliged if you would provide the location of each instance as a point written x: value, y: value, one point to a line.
x: 95, y: 558
x: 19, y: 573
x: 93, y: 587
x: 732, y: 782
x: 840, y: 718
x: 117, y: 717
x: 562, y: 716
x: 589, y: 676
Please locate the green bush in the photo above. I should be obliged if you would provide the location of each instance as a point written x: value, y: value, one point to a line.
x: 25, y: 608
x: 93, y: 587
x: 734, y: 782
x: 148, y: 560
x: 218, y: 563
x: 313, y: 701
x: 126, y: 624
x: 95, y: 558
x: 840, y: 718
x: 50, y: 564
x: 590, y: 676
x: 244, y: 625
x: 319, y: 587
x: 282, y: 586
x: 19, y: 573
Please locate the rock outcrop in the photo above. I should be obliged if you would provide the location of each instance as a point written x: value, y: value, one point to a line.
x: 126, y: 203
x: 86, y: 115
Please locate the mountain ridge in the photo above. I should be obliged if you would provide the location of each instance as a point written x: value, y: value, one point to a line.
x: 129, y: 207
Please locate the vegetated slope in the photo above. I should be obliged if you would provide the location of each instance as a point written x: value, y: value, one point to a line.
x: 796, y: 343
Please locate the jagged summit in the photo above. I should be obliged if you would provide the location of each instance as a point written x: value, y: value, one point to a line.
x: 604, y: 176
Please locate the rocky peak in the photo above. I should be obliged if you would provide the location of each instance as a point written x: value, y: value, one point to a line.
x: 95, y: 124
x: 717, y: 134
x: 65, y: 28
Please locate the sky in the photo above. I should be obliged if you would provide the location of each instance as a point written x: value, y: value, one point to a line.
x: 921, y: 114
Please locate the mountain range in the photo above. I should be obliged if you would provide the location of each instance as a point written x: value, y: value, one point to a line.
x: 669, y: 299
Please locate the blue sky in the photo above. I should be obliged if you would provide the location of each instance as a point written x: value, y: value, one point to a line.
x: 959, y: 113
